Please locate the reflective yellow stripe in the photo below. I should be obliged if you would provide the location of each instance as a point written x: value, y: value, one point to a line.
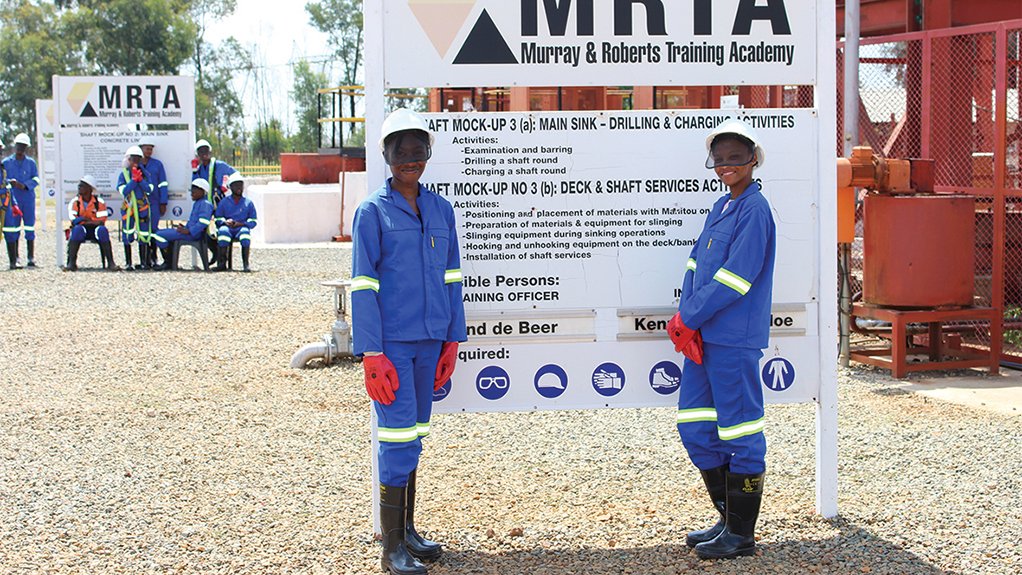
x: 101, y: 214
x: 423, y: 429
x: 452, y: 276
x: 741, y: 430
x: 732, y: 281
x: 364, y: 282
x: 697, y: 414
x: 691, y: 264
x: 204, y: 221
x: 403, y: 435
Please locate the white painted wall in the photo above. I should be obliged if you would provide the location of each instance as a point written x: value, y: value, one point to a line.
x: 290, y: 212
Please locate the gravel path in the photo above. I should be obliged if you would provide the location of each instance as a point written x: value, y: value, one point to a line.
x: 149, y: 424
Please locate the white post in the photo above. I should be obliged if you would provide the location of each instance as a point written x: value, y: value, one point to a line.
x: 375, y: 101
x: 60, y: 210
x: 826, y: 405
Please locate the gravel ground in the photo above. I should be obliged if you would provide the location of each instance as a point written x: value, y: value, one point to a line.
x: 161, y: 431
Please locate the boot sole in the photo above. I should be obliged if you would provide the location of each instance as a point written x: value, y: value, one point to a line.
x: 386, y: 569
x: 740, y: 553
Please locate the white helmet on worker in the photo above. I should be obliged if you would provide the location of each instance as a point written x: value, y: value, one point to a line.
x: 235, y: 177
x: 405, y: 120
x: 22, y: 138
x: 744, y: 132
x: 202, y: 144
x: 89, y: 181
x: 134, y: 151
x: 201, y: 184
x: 147, y: 140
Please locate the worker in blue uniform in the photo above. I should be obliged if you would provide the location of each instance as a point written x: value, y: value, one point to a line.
x: 160, y: 195
x: 22, y: 180
x: 408, y: 317
x: 198, y: 222
x: 235, y: 218
x: 722, y: 324
x: 88, y: 213
x: 8, y: 210
x: 135, y: 185
x: 215, y: 172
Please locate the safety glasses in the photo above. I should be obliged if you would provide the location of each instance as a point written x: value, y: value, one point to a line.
x: 407, y: 150
x: 729, y: 159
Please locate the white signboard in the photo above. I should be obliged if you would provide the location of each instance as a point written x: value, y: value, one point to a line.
x: 439, y: 43
x: 575, y: 228
x: 98, y: 118
x: 46, y: 150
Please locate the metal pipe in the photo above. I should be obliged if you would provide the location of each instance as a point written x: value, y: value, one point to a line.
x: 851, y: 125
x: 322, y: 351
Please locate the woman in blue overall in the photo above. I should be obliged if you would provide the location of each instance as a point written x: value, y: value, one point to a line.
x: 722, y: 324
x: 408, y: 317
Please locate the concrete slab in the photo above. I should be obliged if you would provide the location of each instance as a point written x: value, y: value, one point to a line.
x: 1000, y: 393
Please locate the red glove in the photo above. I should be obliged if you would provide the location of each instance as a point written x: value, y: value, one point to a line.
x: 136, y: 175
x: 381, y: 378
x: 680, y: 334
x: 16, y: 211
x: 445, y: 365
x: 195, y: 164
x: 694, y: 349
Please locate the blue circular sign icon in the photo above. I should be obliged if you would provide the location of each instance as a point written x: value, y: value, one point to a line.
x: 442, y: 393
x: 608, y: 379
x: 551, y: 381
x: 778, y: 374
x: 51, y: 192
x: 177, y: 211
x: 493, y: 382
x: 665, y: 377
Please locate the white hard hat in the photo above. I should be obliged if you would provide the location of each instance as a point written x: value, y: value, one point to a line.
x: 742, y: 129
x: 235, y: 177
x: 404, y: 119
x: 146, y: 141
x: 22, y: 138
x: 134, y: 151
x: 202, y: 143
x: 90, y: 181
x: 201, y: 184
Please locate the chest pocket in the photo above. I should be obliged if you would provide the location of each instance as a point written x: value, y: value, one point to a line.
x: 717, y: 249
x: 439, y: 246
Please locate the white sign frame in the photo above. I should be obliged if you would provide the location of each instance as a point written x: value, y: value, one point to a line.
x: 114, y: 111
x: 824, y: 82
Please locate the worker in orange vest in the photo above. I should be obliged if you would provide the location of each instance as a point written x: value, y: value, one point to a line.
x: 88, y: 213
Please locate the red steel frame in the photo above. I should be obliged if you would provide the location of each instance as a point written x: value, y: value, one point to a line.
x: 999, y: 192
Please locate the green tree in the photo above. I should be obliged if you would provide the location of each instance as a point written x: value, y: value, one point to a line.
x: 140, y: 37
x: 341, y: 21
x: 268, y: 140
x: 218, y: 108
x: 305, y: 96
x: 34, y: 46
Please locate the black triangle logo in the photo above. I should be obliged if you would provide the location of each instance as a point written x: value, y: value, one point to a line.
x: 485, y: 45
x: 89, y: 111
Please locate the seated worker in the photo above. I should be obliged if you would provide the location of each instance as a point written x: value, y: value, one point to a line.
x: 235, y: 217
x: 198, y: 221
x: 134, y: 183
x: 88, y: 213
x: 215, y: 172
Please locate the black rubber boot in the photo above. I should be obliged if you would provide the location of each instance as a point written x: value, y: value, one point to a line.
x: 221, y: 258
x: 72, y: 256
x: 244, y: 259
x: 153, y: 252
x: 418, y: 545
x: 716, y: 485
x: 12, y: 255
x: 30, y: 246
x: 165, y: 252
x: 211, y: 243
x: 396, y: 560
x: 127, y: 258
x: 744, y: 494
x: 143, y: 256
x: 108, y: 253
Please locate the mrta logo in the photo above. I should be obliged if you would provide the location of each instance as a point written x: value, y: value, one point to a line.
x: 442, y: 20
x: 93, y: 101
